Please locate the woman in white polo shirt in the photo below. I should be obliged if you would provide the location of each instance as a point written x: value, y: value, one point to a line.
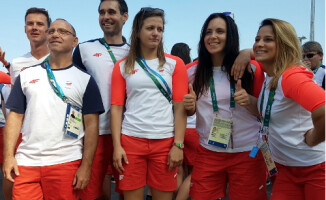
x: 293, y: 110
x: 227, y: 130
x: 148, y: 142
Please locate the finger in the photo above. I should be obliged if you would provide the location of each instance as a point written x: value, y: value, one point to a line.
x: 125, y: 159
x: 191, y: 90
x: 9, y: 176
x: 239, y: 87
x: 74, y: 181
x: 171, y: 166
x: 120, y: 167
x: 16, y: 170
x: 249, y: 68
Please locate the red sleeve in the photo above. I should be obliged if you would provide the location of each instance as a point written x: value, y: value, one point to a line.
x: 179, y: 80
x: 298, y: 85
x: 4, y: 78
x: 118, y: 86
x: 259, y: 78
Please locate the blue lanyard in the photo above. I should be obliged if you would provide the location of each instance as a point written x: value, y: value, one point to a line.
x: 55, y: 86
x: 158, y: 75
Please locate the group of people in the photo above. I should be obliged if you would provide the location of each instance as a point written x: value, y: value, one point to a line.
x: 88, y: 111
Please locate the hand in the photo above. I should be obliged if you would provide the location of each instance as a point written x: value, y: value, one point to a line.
x: 190, y: 99
x: 241, y: 63
x: 311, y: 139
x: 175, y: 157
x: 9, y: 166
x: 307, y: 64
x: 241, y: 96
x: 82, y: 177
x: 119, y: 155
x: 2, y: 57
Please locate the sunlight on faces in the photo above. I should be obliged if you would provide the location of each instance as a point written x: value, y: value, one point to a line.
x: 215, y: 36
x: 59, y: 41
x: 265, y: 45
x: 151, y: 32
x: 110, y: 19
x: 36, y: 27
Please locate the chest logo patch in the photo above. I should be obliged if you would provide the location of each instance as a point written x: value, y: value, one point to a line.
x: 34, y: 81
x: 97, y: 54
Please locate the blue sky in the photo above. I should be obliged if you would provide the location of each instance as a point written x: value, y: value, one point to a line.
x: 184, y: 19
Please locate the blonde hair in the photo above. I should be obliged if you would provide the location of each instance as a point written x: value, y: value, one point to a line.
x: 134, y: 51
x: 288, y: 49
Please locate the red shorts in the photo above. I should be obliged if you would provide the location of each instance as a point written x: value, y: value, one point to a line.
x: 214, y: 170
x: 2, y: 129
x: 46, y: 182
x: 299, y: 183
x: 191, y: 142
x: 147, y: 164
x: 102, y: 158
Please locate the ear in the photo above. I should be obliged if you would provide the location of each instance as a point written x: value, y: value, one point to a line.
x: 125, y: 17
x: 75, y: 42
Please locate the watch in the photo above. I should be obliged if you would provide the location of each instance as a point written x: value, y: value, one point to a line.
x: 179, y: 145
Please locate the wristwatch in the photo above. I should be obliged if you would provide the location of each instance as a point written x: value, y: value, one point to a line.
x: 179, y: 145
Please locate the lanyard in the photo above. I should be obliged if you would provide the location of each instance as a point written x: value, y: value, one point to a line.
x: 102, y: 41
x: 55, y: 86
x: 167, y: 93
x: 213, y: 95
x: 268, y: 106
x: 315, y: 70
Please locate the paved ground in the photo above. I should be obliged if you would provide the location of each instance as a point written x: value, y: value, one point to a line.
x: 115, y: 195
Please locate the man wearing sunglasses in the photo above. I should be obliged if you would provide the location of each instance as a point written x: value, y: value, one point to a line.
x: 312, y: 57
x: 57, y: 105
x: 98, y: 57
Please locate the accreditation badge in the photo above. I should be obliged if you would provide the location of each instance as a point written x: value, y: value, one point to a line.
x: 220, y: 132
x: 73, y: 122
x: 271, y: 167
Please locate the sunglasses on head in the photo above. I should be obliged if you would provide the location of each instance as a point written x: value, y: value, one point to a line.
x: 150, y: 9
x: 308, y: 55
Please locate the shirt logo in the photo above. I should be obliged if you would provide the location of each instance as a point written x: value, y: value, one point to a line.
x: 134, y: 71
x: 23, y: 68
x: 34, y: 81
x: 97, y: 54
x: 68, y: 83
x: 121, y: 177
x: 161, y: 70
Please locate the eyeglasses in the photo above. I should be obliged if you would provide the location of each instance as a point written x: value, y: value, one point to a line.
x: 150, y: 9
x: 61, y: 31
x: 308, y: 55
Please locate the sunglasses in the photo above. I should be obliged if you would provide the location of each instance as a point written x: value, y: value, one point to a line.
x: 150, y: 9
x: 308, y: 55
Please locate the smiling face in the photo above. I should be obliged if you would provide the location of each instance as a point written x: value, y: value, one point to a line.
x: 36, y: 28
x: 265, y: 46
x: 151, y: 33
x: 110, y: 18
x: 215, y: 36
x: 61, y: 37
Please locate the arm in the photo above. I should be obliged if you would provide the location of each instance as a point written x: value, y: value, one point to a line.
x: 83, y: 173
x: 12, y: 130
x: 241, y: 63
x: 3, y: 60
x: 180, y: 122
x: 119, y: 153
x: 317, y: 134
x: 3, y: 108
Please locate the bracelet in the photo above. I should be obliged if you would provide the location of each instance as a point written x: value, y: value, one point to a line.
x: 7, y: 66
x: 179, y: 145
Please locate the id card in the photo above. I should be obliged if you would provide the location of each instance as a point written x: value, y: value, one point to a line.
x: 73, y: 122
x: 220, y: 133
x: 272, y: 170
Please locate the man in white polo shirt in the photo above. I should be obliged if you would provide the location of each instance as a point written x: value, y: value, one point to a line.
x: 98, y: 57
x: 57, y: 105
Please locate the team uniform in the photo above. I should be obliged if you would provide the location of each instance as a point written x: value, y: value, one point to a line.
x: 319, y: 76
x: 216, y: 166
x: 301, y: 168
x: 93, y: 57
x: 47, y: 158
x: 4, y: 78
x: 147, y: 131
x: 22, y: 62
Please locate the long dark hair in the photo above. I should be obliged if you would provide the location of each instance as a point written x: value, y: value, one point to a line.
x: 231, y: 50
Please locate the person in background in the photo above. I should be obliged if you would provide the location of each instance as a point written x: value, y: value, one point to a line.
x: 94, y: 57
x: 312, y: 56
x: 223, y: 155
x: 148, y: 142
x: 292, y: 107
x: 54, y: 159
